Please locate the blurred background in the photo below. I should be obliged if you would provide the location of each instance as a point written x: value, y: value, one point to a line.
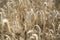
x: 29, y: 19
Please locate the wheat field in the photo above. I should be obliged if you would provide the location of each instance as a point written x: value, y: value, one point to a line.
x: 29, y: 19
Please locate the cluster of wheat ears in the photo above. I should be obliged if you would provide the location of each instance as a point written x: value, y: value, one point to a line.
x: 29, y: 20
